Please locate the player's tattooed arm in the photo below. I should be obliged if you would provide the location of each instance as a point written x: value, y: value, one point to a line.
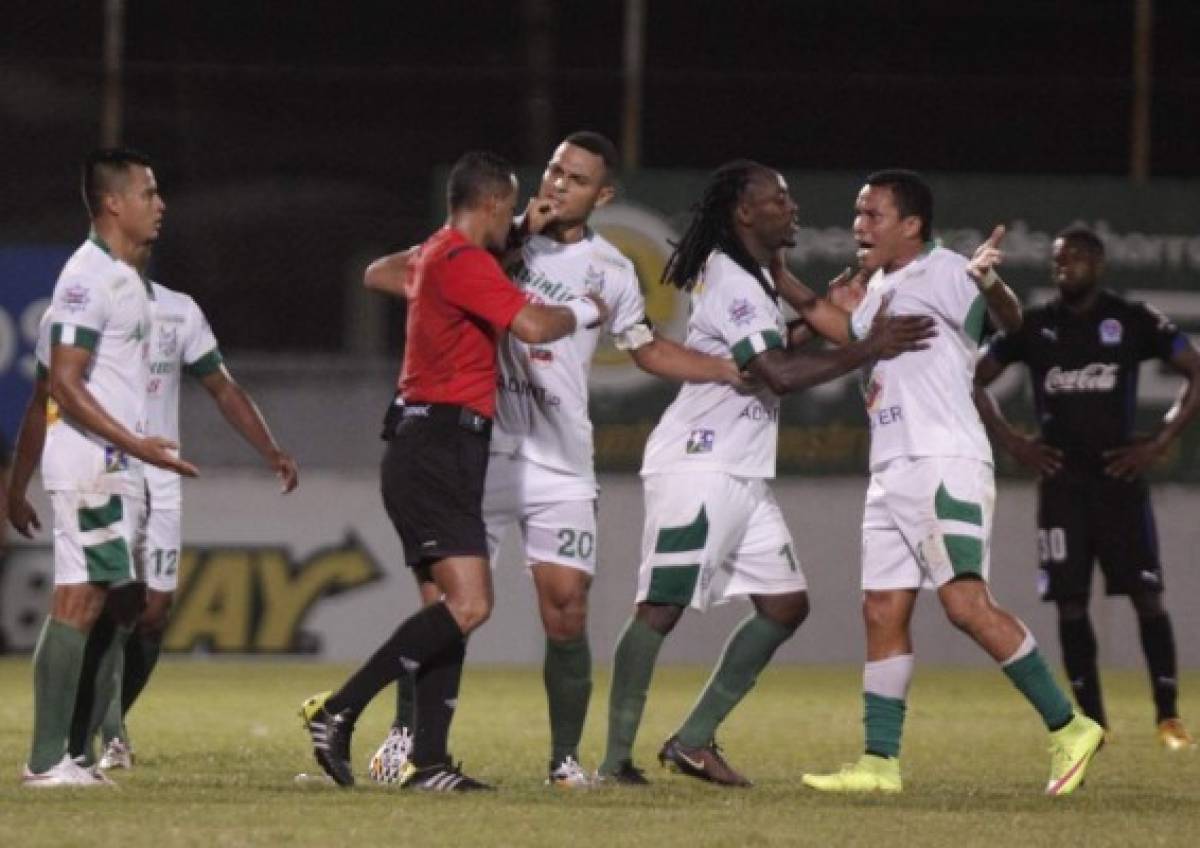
x: 31, y: 438
x: 391, y: 274
x: 1030, y: 451
x: 1131, y: 461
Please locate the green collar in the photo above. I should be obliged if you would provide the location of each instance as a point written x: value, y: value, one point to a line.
x: 95, y: 239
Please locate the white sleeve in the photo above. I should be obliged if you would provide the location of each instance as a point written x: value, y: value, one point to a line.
x: 627, y: 313
x: 79, y: 311
x: 199, y: 339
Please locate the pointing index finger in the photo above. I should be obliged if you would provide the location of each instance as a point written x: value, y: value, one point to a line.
x: 997, y: 234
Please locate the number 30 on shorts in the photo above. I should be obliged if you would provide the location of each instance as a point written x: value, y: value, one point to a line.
x: 1052, y: 544
x: 576, y: 544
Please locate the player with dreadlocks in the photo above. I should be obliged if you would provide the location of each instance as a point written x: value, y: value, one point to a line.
x: 713, y: 528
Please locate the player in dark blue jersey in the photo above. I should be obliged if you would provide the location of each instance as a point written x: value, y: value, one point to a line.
x: 1083, y: 350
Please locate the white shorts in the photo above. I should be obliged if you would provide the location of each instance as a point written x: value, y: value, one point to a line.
x: 927, y: 520
x: 557, y: 524
x: 711, y: 537
x: 97, y: 537
x: 158, y: 567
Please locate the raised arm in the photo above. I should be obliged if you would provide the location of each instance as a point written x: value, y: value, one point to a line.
x: 1002, y: 302
x: 244, y: 416
x: 390, y: 274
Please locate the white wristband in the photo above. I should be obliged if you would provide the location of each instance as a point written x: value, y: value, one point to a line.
x: 587, y: 313
x: 989, y: 279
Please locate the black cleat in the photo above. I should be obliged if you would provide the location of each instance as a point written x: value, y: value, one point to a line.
x: 440, y: 778
x: 627, y: 774
x: 330, y: 738
x: 705, y: 763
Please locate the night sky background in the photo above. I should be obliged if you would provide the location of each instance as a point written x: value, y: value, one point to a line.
x: 294, y: 140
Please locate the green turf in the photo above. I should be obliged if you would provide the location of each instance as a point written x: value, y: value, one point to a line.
x: 219, y: 744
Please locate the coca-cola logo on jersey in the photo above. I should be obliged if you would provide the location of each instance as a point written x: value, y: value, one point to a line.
x: 1095, y: 377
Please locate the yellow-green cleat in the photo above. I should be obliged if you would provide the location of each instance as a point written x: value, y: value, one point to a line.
x: 869, y: 774
x: 1071, y: 751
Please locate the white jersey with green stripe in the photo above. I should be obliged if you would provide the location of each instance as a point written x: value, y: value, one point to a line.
x: 710, y: 426
x: 103, y: 305
x: 182, y: 342
x: 919, y: 403
x: 542, y: 396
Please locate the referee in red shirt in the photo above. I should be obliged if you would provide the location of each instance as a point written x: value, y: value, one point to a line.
x: 434, y: 466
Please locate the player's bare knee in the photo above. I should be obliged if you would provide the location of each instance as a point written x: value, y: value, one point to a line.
x: 880, y: 613
x: 788, y: 611
x: 660, y: 618
x: 470, y: 612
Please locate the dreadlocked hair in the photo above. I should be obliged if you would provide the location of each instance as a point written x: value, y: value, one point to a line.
x: 711, y: 228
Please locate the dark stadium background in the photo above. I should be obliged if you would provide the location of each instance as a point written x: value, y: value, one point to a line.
x: 295, y: 139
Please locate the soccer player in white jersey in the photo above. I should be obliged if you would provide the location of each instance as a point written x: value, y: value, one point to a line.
x: 181, y: 343
x: 928, y: 514
x: 713, y: 530
x: 100, y: 322
x: 540, y: 469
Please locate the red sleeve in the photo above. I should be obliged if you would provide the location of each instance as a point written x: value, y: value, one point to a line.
x: 474, y: 282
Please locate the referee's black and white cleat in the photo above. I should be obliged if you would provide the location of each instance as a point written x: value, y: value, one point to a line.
x: 330, y: 734
x: 440, y: 778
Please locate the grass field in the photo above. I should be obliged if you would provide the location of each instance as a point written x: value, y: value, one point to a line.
x: 219, y: 745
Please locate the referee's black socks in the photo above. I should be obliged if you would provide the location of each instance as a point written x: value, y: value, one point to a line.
x: 421, y: 638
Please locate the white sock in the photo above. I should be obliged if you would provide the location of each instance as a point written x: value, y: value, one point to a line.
x: 889, y: 678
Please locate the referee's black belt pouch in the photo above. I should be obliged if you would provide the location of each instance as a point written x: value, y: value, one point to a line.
x: 443, y: 413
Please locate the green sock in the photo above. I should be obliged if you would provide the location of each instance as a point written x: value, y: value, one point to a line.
x: 633, y: 666
x: 567, y: 672
x: 141, y: 658
x: 56, y: 663
x: 1033, y: 677
x: 109, y: 676
x: 883, y: 722
x: 749, y: 649
x: 405, y: 709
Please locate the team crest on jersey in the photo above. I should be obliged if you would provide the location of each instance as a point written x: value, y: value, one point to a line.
x: 168, y: 342
x: 701, y: 441
x: 75, y: 298
x: 115, y: 460
x: 741, y: 312
x: 1111, y: 332
x: 541, y: 355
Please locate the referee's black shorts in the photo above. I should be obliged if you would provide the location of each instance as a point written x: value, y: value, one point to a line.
x: 432, y: 479
x: 1085, y: 518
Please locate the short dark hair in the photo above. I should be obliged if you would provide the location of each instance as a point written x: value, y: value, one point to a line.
x: 102, y: 171
x: 477, y: 175
x: 911, y: 193
x: 1084, y: 237
x: 598, y: 145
